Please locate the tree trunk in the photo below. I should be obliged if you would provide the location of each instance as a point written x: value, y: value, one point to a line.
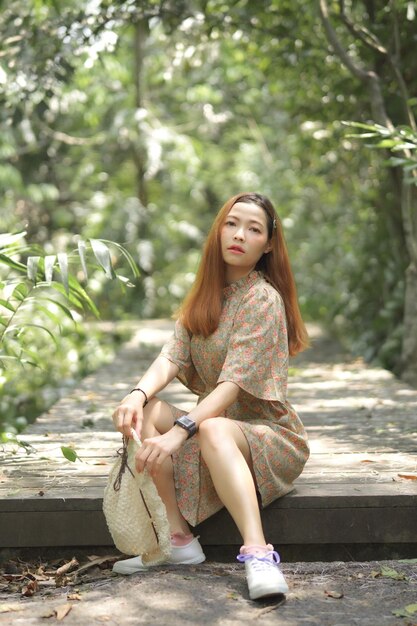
x: 409, y: 347
x: 408, y: 192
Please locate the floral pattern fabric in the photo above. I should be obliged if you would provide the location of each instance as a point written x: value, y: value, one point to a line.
x: 249, y: 348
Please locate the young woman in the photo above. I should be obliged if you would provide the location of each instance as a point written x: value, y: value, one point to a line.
x: 234, y: 334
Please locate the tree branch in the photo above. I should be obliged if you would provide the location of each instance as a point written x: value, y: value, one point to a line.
x: 367, y: 76
x: 361, y: 32
x: 372, y: 41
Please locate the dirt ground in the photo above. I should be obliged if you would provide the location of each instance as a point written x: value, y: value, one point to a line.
x: 377, y: 593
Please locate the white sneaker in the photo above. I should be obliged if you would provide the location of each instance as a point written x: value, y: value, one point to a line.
x: 191, y: 554
x: 263, y: 575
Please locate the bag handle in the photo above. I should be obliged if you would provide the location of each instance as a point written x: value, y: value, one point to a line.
x: 123, y: 455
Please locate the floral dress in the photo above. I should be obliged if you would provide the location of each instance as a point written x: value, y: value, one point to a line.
x: 249, y: 348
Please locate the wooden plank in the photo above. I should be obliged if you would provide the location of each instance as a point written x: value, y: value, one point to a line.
x: 374, y: 525
x: 56, y: 528
x: 353, y: 414
x: 304, y: 496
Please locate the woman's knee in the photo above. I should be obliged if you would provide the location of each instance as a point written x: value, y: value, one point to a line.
x: 220, y: 434
x: 157, y: 417
x: 215, y: 432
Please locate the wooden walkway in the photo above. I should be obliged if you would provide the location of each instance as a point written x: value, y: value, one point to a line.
x: 357, y: 493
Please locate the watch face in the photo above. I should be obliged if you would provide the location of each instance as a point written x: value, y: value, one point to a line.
x: 188, y: 423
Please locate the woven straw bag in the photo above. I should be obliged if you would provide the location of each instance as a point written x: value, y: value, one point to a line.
x: 135, y: 514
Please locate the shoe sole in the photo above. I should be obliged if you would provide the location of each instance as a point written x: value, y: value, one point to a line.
x: 127, y: 571
x: 262, y: 593
x: 193, y: 561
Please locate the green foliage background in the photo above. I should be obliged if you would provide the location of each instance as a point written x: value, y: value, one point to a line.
x: 135, y: 121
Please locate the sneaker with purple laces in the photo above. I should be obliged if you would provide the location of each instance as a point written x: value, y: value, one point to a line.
x: 263, y: 575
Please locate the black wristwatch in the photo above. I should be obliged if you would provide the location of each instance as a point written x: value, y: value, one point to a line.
x: 187, y: 424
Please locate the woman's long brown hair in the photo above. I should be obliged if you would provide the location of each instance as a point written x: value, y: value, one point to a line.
x: 201, y: 309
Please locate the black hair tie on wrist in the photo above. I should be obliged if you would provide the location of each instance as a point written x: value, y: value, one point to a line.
x: 144, y: 393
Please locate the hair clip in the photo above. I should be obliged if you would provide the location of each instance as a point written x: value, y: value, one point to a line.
x: 275, y: 223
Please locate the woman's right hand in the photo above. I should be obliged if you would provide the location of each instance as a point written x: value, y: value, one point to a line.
x: 129, y: 414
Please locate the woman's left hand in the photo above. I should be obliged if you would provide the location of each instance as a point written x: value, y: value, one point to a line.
x: 156, y: 450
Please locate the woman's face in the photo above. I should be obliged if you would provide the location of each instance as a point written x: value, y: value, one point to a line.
x: 244, y: 239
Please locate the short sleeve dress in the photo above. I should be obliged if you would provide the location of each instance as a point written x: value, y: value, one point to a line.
x: 249, y: 348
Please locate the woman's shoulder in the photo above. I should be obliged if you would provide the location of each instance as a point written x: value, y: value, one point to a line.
x: 262, y: 291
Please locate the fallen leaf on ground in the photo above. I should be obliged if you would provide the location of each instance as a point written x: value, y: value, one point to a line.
x: 8, y: 608
x: 388, y: 572
x: 70, y: 454
x: 31, y: 588
x: 232, y: 596
x: 407, y: 611
x: 61, y: 581
x: 62, y: 611
x: 408, y: 476
x: 64, y: 569
x: 333, y: 593
x: 98, y: 560
x: 74, y: 596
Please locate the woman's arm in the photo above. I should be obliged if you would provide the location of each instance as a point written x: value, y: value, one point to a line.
x: 130, y: 410
x: 215, y: 403
x: 156, y: 449
x: 157, y: 376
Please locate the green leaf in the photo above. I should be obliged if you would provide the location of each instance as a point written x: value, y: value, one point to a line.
x: 23, y: 326
x: 54, y: 318
x: 388, y: 143
x: 71, y: 296
x: 407, y: 611
x: 362, y: 135
x: 78, y: 291
x: 8, y: 239
x: 63, y: 267
x: 127, y: 255
x: 77, y: 296
x: 405, y: 146
x: 82, y: 253
x: 61, y: 306
x: 16, y: 265
x: 102, y: 254
x: 70, y: 454
x: 32, y: 267
x: 389, y: 572
x: 7, y: 305
x: 124, y: 282
x: 49, y: 262
x: 20, y: 292
x: 381, y: 130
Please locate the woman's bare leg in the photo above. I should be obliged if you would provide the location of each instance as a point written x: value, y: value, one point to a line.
x: 158, y: 420
x: 226, y: 452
